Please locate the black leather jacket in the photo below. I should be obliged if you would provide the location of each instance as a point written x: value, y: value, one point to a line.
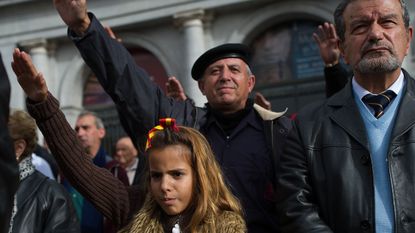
x: 326, y: 179
x: 9, y: 171
x: 43, y: 206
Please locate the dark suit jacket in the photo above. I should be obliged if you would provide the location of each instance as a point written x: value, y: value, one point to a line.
x: 9, y: 172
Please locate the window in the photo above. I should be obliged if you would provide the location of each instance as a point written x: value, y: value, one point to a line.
x: 285, y: 52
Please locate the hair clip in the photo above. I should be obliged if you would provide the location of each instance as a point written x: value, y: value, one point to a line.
x: 164, y: 123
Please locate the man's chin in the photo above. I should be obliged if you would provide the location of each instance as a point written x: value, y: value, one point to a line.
x: 380, y: 64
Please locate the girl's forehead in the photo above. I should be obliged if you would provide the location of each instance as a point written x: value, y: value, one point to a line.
x: 171, y: 153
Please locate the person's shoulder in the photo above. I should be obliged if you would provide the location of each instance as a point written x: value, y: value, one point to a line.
x: 325, y: 107
x: 230, y: 222
x: 314, y: 111
x: 53, y: 189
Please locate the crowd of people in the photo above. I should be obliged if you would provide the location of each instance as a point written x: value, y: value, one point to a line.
x: 343, y: 164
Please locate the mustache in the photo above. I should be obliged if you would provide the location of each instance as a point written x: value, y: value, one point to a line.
x: 376, y: 44
x: 226, y: 85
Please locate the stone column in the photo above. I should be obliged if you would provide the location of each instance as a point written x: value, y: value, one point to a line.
x: 191, y: 23
x: 39, y: 51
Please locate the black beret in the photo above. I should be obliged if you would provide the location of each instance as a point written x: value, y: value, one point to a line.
x: 222, y: 51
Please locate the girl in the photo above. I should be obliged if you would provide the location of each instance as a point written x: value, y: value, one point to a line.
x: 186, y: 188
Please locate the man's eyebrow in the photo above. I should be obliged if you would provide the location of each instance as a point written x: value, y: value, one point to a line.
x: 234, y: 65
x: 366, y: 18
x: 391, y: 15
x: 215, y: 66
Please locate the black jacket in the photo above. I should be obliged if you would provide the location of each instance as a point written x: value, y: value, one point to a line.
x: 43, y: 206
x: 9, y: 172
x: 336, y: 78
x: 326, y: 179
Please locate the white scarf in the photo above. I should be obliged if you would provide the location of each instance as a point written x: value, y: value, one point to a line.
x: 26, y: 169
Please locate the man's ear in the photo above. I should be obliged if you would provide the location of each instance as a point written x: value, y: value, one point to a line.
x: 101, y: 133
x: 201, y: 85
x: 251, y: 83
x: 410, y: 35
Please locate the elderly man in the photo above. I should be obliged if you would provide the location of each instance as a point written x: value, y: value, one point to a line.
x: 127, y: 165
x: 348, y: 164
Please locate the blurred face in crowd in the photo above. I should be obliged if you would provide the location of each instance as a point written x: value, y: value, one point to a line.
x: 376, y: 39
x: 90, y: 135
x: 226, y: 84
x: 171, y: 178
x: 125, y: 152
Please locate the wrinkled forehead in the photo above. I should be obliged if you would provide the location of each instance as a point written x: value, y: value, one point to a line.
x: 372, y: 9
x: 227, y: 62
x: 87, y: 120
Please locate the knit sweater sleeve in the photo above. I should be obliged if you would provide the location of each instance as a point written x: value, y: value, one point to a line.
x: 109, y: 195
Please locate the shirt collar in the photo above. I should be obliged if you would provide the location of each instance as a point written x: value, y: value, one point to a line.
x: 133, y: 166
x: 395, y: 87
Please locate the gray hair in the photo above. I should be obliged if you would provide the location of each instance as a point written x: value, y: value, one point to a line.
x: 98, y: 121
x: 248, y: 70
x: 339, y: 20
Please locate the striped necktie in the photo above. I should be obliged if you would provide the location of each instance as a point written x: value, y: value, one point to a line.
x: 379, y: 102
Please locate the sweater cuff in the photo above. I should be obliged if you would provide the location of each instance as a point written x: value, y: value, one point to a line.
x: 42, y: 111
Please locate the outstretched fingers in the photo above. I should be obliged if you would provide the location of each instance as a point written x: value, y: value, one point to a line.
x: 31, y: 81
x: 22, y: 65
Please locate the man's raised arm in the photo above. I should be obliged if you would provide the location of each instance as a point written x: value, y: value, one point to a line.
x: 139, y: 101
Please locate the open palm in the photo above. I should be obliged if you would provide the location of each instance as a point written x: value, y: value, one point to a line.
x: 31, y: 81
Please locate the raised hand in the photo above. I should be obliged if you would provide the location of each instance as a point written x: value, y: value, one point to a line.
x: 175, y: 89
x: 74, y: 13
x: 327, y: 41
x: 31, y: 81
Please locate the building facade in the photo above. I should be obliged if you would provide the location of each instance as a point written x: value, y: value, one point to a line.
x: 166, y: 36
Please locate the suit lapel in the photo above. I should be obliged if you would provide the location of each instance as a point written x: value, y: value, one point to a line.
x: 347, y: 115
x: 406, y: 117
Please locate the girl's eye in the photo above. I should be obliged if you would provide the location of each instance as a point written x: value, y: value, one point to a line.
x: 155, y: 175
x: 177, y: 174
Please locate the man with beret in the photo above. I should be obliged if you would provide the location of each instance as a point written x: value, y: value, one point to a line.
x: 246, y: 138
